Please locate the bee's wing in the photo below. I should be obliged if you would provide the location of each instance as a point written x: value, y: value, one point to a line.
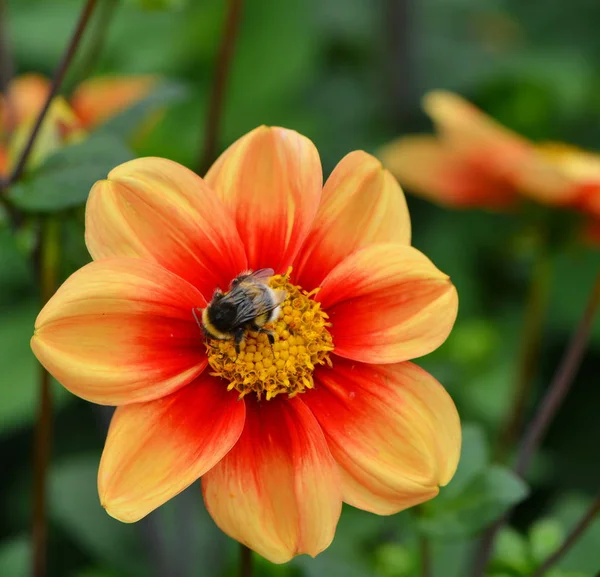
x: 251, y: 303
x: 262, y: 274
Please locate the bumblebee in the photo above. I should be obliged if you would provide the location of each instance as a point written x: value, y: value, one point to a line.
x: 248, y: 305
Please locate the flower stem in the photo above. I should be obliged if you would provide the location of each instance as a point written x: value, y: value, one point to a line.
x: 92, y: 50
x: 59, y: 75
x: 6, y: 61
x: 48, y: 271
x: 561, y: 383
x: 245, y: 561
x: 219, y: 85
x: 571, y: 539
x: 537, y: 302
x: 555, y: 395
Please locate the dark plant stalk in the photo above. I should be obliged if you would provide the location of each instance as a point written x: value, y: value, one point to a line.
x: 561, y: 383
x: 57, y: 79
x: 245, y: 561
x: 571, y: 539
x: 555, y: 395
x: 6, y: 62
x: 97, y: 39
x: 6, y: 72
x: 49, y: 254
x: 219, y: 85
x: 537, y: 302
x: 399, y: 63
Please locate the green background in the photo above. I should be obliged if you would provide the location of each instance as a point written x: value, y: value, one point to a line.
x: 348, y: 74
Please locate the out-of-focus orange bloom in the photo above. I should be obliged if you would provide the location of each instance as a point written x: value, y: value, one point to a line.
x: 562, y: 174
x: 98, y: 99
x: 474, y: 161
x: 93, y: 102
x: 333, y: 411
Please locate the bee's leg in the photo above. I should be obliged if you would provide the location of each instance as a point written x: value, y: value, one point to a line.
x: 270, y: 335
x: 238, y: 337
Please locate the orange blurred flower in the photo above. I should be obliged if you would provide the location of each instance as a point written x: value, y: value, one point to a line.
x: 476, y: 162
x: 93, y: 102
x: 282, y: 434
x: 472, y: 162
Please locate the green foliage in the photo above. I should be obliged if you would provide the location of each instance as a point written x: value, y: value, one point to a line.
x: 20, y: 370
x: 394, y: 560
x: 65, y: 178
x: 520, y: 556
x: 479, y: 494
x: 15, y: 557
x: 545, y: 537
x: 583, y: 556
x: 73, y: 489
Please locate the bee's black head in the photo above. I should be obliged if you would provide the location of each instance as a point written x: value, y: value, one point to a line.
x: 222, y: 314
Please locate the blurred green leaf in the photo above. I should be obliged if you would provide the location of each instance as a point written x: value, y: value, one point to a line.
x: 75, y: 506
x: 485, y: 499
x: 20, y: 369
x: 16, y: 279
x: 511, y: 553
x: 395, y: 560
x: 346, y: 556
x: 15, y: 557
x: 545, y: 537
x: 65, y: 179
x: 474, y: 457
x: 474, y: 341
x: 478, y: 494
x: 583, y: 556
x: 125, y: 124
x: 452, y: 558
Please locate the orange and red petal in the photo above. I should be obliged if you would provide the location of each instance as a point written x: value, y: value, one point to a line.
x: 431, y: 168
x: 270, y: 180
x: 561, y: 174
x: 154, y: 450
x: 362, y: 204
x: 120, y: 331
x: 388, y: 303
x: 278, y: 490
x: 98, y: 99
x: 469, y: 131
x: 393, y: 429
x: 157, y: 210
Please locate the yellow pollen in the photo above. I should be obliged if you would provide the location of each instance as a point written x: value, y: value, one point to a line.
x: 302, y: 342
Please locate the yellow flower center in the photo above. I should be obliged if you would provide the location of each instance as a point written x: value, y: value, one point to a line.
x: 302, y: 341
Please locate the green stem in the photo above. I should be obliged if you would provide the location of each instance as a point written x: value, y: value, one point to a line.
x: 537, y: 303
x: 49, y: 254
x: 245, y: 561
